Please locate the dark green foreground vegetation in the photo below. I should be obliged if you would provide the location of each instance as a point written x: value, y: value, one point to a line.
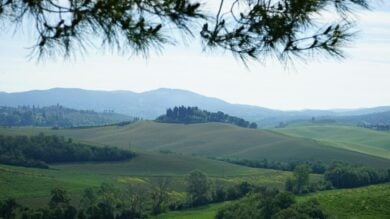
x: 40, y: 150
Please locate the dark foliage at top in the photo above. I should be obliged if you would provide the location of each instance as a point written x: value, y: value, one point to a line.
x: 37, y: 151
x: 56, y: 116
x: 189, y: 115
x: 247, y: 28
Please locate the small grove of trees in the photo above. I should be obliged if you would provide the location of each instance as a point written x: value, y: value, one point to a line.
x: 343, y: 175
x: 201, y: 191
x: 189, y: 115
x: 300, y: 183
x: 271, y: 204
x: 339, y: 175
x: 40, y: 150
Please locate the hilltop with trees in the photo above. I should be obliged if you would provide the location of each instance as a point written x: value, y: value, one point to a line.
x: 191, y: 115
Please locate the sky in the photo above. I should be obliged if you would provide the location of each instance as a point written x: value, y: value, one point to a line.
x: 360, y: 80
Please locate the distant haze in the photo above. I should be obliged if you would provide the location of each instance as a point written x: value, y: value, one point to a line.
x: 154, y: 103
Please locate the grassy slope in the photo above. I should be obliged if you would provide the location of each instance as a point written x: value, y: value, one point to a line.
x: 32, y: 186
x: 212, y: 139
x: 205, y: 212
x: 352, y: 138
x: 366, y: 202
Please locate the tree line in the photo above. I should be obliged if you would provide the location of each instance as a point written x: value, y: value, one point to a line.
x: 56, y: 116
x: 41, y: 150
x: 316, y: 166
x: 190, y: 115
x: 110, y: 202
x: 378, y: 127
x: 344, y: 175
x: 337, y: 174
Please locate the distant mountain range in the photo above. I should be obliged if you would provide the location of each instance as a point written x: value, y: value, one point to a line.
x: 151, y: 104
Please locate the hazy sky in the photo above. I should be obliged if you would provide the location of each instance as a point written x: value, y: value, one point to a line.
x: 361, y: 80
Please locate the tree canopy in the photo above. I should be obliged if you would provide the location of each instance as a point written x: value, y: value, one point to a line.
x: 191, y: 115
x: 250, y: 29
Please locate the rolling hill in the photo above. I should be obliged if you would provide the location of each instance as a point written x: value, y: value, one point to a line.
x: 213, y: 140
x: 360, y: 203
x: 32, y: 185
x: 352, y: 138
x: 151, y: 104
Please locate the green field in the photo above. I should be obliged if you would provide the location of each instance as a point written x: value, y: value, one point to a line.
x: 174, y: 150
x: 366, y: 202
x: 371, y: 202
x: 213, y: 140
x: 205, y: 212
x: 376, y: 143
x: 32, y: 185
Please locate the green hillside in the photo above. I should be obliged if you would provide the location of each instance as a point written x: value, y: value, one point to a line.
x: 213, y: 140
x: 32, y: 184
x: 366, y: 202
x: 352, y: 138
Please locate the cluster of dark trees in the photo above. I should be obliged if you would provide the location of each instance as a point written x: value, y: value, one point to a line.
x: 201, y: 191
x: 40, y: 150
x: 315, y: 166
x: 300, y: 183
x: 270, y: 203
x: 189, y: 115
x: 55, y: 116
x: 343, y: 175
x: 337, y: 175
x: 378, y: 127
